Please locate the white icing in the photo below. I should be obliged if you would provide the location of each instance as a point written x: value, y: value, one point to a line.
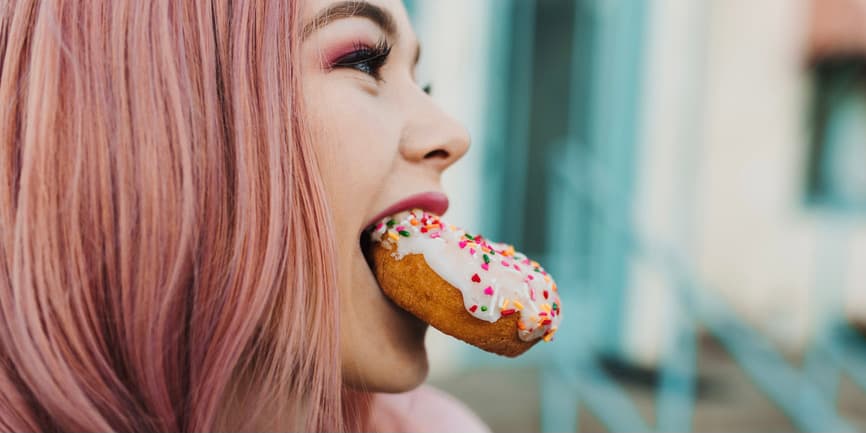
x: 516, y: 282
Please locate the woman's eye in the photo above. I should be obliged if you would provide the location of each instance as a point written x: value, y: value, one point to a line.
x: 365, y: 59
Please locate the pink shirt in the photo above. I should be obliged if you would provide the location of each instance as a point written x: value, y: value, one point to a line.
x: 425, y: 409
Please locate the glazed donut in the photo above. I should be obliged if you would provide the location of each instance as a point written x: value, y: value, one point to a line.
x: 482, y: 292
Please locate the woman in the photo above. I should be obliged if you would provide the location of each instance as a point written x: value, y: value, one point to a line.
x: 183, y: 185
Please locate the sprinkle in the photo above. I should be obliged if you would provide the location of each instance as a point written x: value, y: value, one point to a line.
x: 504, y: 263
x: 485, y: 249
x: 546, y: 322
x: 453, y: 228
x: 435, y: 236
x: 546, y: 278
x: 520, y: 325
x: 473, y: 308
x: 432, y: 226
x: 549, y: 336
x: 486, y: 259
x: 468, y: 236
x: 518, y: 305
x: 526, y: 262
x: 545, y: 294
x: 393, y: 235
x: 404, y: 233
x: 483, y: 308
x: 477, y: 238
x: 517, y: 267
x: 391, y: 223
x: 531, y: 294
x: 555, y: 306
x: 508, y: 312
x: 413, y: 221
x: 488, y: 291
x: 400, y: 228
x: 485, y: 266
x: 379, y: 226
x: 530, y: 277
x: 505, y: 304
x: 472, y: 251
x: 462, y: 244
x: 423, y: 229
x: 554, y: 288
x: 542, y: 314
x: 537, y: 270
x: 492, y: 252
x: 476, y: 278
x: 546, y: 307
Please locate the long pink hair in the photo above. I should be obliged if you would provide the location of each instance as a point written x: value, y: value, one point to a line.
x: 165, y: 262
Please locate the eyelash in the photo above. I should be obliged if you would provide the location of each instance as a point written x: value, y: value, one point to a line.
x: 370, y: 61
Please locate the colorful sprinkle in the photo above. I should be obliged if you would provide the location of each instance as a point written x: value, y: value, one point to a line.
x: 462, y: 244
x: 476, y: 278
x: 473, y: 308
x: 545, y: 294
x: 404, y: 233
x: 485, y: 266
x: 504, y: 263
x: 520, y: 325
x: 486, y: 259
x: 505, y: 304
x: 414, y: 222
x: 400, y: 228
x: 472, y: 251
x: 531, y: 294
x: 546, y: 322
x: 391, y: 223
x: 435, y: 236
x: 393, y: 236
x: 488, y: 291
x: 508, y: 312
x: 483, y: 308
x: 518, y: 305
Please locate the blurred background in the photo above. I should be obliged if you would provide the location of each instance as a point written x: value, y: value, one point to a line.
x: 693, y: 174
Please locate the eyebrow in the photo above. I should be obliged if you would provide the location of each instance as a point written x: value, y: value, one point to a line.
x: 356, y: 9
x: 352, y: 9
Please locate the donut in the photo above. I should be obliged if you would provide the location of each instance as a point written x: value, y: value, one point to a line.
x: 482, y: 292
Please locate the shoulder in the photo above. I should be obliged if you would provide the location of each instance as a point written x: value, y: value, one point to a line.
x: 425, y: 409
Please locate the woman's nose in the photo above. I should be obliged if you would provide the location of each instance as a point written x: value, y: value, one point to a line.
x: 432, y: 137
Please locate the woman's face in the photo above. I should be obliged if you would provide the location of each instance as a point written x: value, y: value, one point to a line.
x: 381, y: 142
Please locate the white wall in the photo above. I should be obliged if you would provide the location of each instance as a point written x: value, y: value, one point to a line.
x: 723, y: 157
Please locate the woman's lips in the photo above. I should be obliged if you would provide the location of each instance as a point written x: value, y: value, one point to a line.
x: 432, y: 202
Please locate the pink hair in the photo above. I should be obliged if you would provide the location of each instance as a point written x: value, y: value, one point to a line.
x: 165, y: 263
